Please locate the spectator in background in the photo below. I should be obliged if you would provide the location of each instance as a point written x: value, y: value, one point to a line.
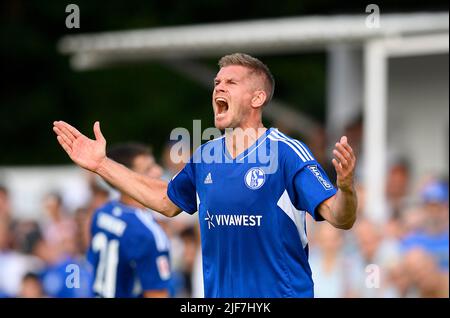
x: 60, y: 250
x: 31, y: 287
x: 432, y: 235
x: 372, y: 249
x: 330, y: 273
x: 13, y: 264
x: 5, y: 205
x: 399, y: 281
x: 412, y: 219
x: 317, y: 143
x: 172, y: 160
x: 83, y: 223
x: 20, y: 231
x: 425, y: 274
x: 100, y: 191
x: 397, y: 188
x: 354, y: 133
x: 58, y: 266
x: 190, y: 245
x: 60, y: 228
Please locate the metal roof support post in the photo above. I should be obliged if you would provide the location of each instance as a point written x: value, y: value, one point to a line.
x: 374, y: 147
x: 344, y: 89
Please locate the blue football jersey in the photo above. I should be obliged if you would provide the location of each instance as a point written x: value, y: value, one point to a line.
x: 129, y: 252
x: 252, y: 214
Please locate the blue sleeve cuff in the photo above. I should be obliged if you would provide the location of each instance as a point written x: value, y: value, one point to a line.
x: 315, y: 213
x: 180, y: 204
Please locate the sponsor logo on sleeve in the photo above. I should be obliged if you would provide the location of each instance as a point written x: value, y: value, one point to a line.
x: 163, y: 266
x: 316, y: 172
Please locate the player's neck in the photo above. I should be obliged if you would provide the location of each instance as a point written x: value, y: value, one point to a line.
x: 239, y: 139
x: 127, y: 200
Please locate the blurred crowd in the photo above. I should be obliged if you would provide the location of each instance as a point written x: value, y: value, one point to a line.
x: 406, y: 256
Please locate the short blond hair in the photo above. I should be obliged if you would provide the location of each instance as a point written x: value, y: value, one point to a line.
x: 255, y: 66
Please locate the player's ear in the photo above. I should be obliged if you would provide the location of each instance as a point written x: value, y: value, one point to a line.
x: 259, y: 98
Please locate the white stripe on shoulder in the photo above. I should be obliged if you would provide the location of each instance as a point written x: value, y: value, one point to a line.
x: 306, y: 150
x: 290, y: 145
x: 298, y: 144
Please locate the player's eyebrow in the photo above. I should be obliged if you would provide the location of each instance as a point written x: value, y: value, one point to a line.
x: 229, y: 79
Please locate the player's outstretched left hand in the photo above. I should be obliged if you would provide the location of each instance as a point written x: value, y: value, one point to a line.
x: 344, y: 163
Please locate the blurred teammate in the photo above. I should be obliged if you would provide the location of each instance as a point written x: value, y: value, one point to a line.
x: 129, y: 251
x: 252, y: 215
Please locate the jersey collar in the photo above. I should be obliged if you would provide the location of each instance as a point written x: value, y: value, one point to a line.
x: 260, y: 141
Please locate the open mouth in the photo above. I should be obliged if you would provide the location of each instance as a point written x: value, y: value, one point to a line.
x: 222, y: 106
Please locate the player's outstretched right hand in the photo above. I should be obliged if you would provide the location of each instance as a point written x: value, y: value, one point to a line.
x: 85, y: 152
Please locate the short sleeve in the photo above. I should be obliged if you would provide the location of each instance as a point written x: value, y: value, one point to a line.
x: 312, y: 186
x: 182, y: 190
x: 152, y: 267
x: 306, y: 181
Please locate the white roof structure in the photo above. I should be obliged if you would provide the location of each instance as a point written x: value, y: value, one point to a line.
x: 258, y: 36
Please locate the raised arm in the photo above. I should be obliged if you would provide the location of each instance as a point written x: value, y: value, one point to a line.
x: 91, y: 155
x: 340, y: 209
